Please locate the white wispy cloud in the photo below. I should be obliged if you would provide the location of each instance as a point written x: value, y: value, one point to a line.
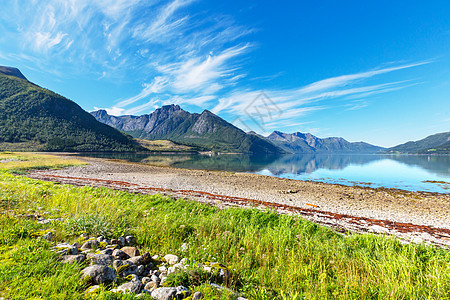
x: 158, y: 84
x: 298, y: 102
x: 164, y: 26
x: 200, y: 74
x: 344, y: 80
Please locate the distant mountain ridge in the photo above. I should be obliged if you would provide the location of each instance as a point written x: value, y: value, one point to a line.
x: 307, y: 143
x: 438, y: 143
x: 206, y: 130
x: 33, y: 118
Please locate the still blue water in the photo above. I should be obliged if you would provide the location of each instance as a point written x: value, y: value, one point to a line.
x: 407, y: 172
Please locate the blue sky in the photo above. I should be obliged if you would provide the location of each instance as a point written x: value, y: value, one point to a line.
x: 377, y: 71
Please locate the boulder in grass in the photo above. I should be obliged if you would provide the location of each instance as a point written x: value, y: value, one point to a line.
x: 130, y: 240
x: 78, y: 258
x: 197, y: 296
x: 171, y: 259
x: 131, y: 251
x: 100, y: 259
x: 90, y: 244
x: 119, y: 254
x: 165, y: 293
x: 98, y: 274
x: 129, y: 287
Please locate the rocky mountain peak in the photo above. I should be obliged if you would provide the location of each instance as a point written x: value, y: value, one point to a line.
x: 10, y: 71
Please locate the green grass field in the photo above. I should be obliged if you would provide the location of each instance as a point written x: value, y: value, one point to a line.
x: 270, y: 256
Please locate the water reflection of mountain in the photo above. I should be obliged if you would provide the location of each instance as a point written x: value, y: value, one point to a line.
x: 278, y: 165
x: 308, y: 163
x: 301, y: 164
x: 439, y: 165
x: 227, y: 162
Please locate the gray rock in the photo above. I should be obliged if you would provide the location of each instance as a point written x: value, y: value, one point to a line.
x: 117, y: 263
x: 162, y: 269
x: 130, y: 240
x: 151, y: 286
x: 155, y: 279
x: 165, y: 293
x: 131, y: 251
x: 184, y: 261
x: 107, y: 251
x: 129, y: 287
x: 90, y: 244
x: 115, y: 242
x: 171, y: 259
x: 78, y: 258
x: 66, y: 249
x: 197, y: 296
x: 145, y: 280
x: 92, y: 289
x: 100, y: 259
x: 100, y: 239
x: 122, y: 241
x: 137, y: 260
x: 241, y: 298
x: 140, y: 270
x: 182, y: 292
x: 131, y: 270
x: 119, y: 254
x: 98, y: 274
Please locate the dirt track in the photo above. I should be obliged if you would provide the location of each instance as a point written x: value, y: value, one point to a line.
x: 413, y: 216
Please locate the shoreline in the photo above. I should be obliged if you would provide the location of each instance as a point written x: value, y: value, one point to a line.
x: 412, y: 216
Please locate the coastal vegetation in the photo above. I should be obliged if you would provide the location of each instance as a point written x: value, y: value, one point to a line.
x: 268, y: 255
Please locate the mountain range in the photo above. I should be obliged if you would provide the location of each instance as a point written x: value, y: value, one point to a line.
x: 212, y: 132
x: 36, y: 119
x: 307, y: 143
x: 204, y: 130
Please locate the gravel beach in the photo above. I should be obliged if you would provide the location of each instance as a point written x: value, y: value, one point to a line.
x: 412, y: 216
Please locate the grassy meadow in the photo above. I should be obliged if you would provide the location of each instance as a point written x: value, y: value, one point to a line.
x: 269, y: 256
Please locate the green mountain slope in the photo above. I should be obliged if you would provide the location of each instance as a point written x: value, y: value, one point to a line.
x: 206, y: 130
x: 33, y: 118
x: 436, y: 143
x: 441, y: 149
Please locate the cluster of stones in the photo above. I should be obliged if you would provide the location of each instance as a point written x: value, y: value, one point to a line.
x: 119, y: 259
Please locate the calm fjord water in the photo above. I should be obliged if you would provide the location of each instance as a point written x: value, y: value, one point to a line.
x: 407, y: 172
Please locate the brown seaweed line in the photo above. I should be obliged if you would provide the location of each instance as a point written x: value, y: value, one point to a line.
x: 399, y: 226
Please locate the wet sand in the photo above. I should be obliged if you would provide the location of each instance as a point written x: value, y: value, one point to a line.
x: 412, y: 216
